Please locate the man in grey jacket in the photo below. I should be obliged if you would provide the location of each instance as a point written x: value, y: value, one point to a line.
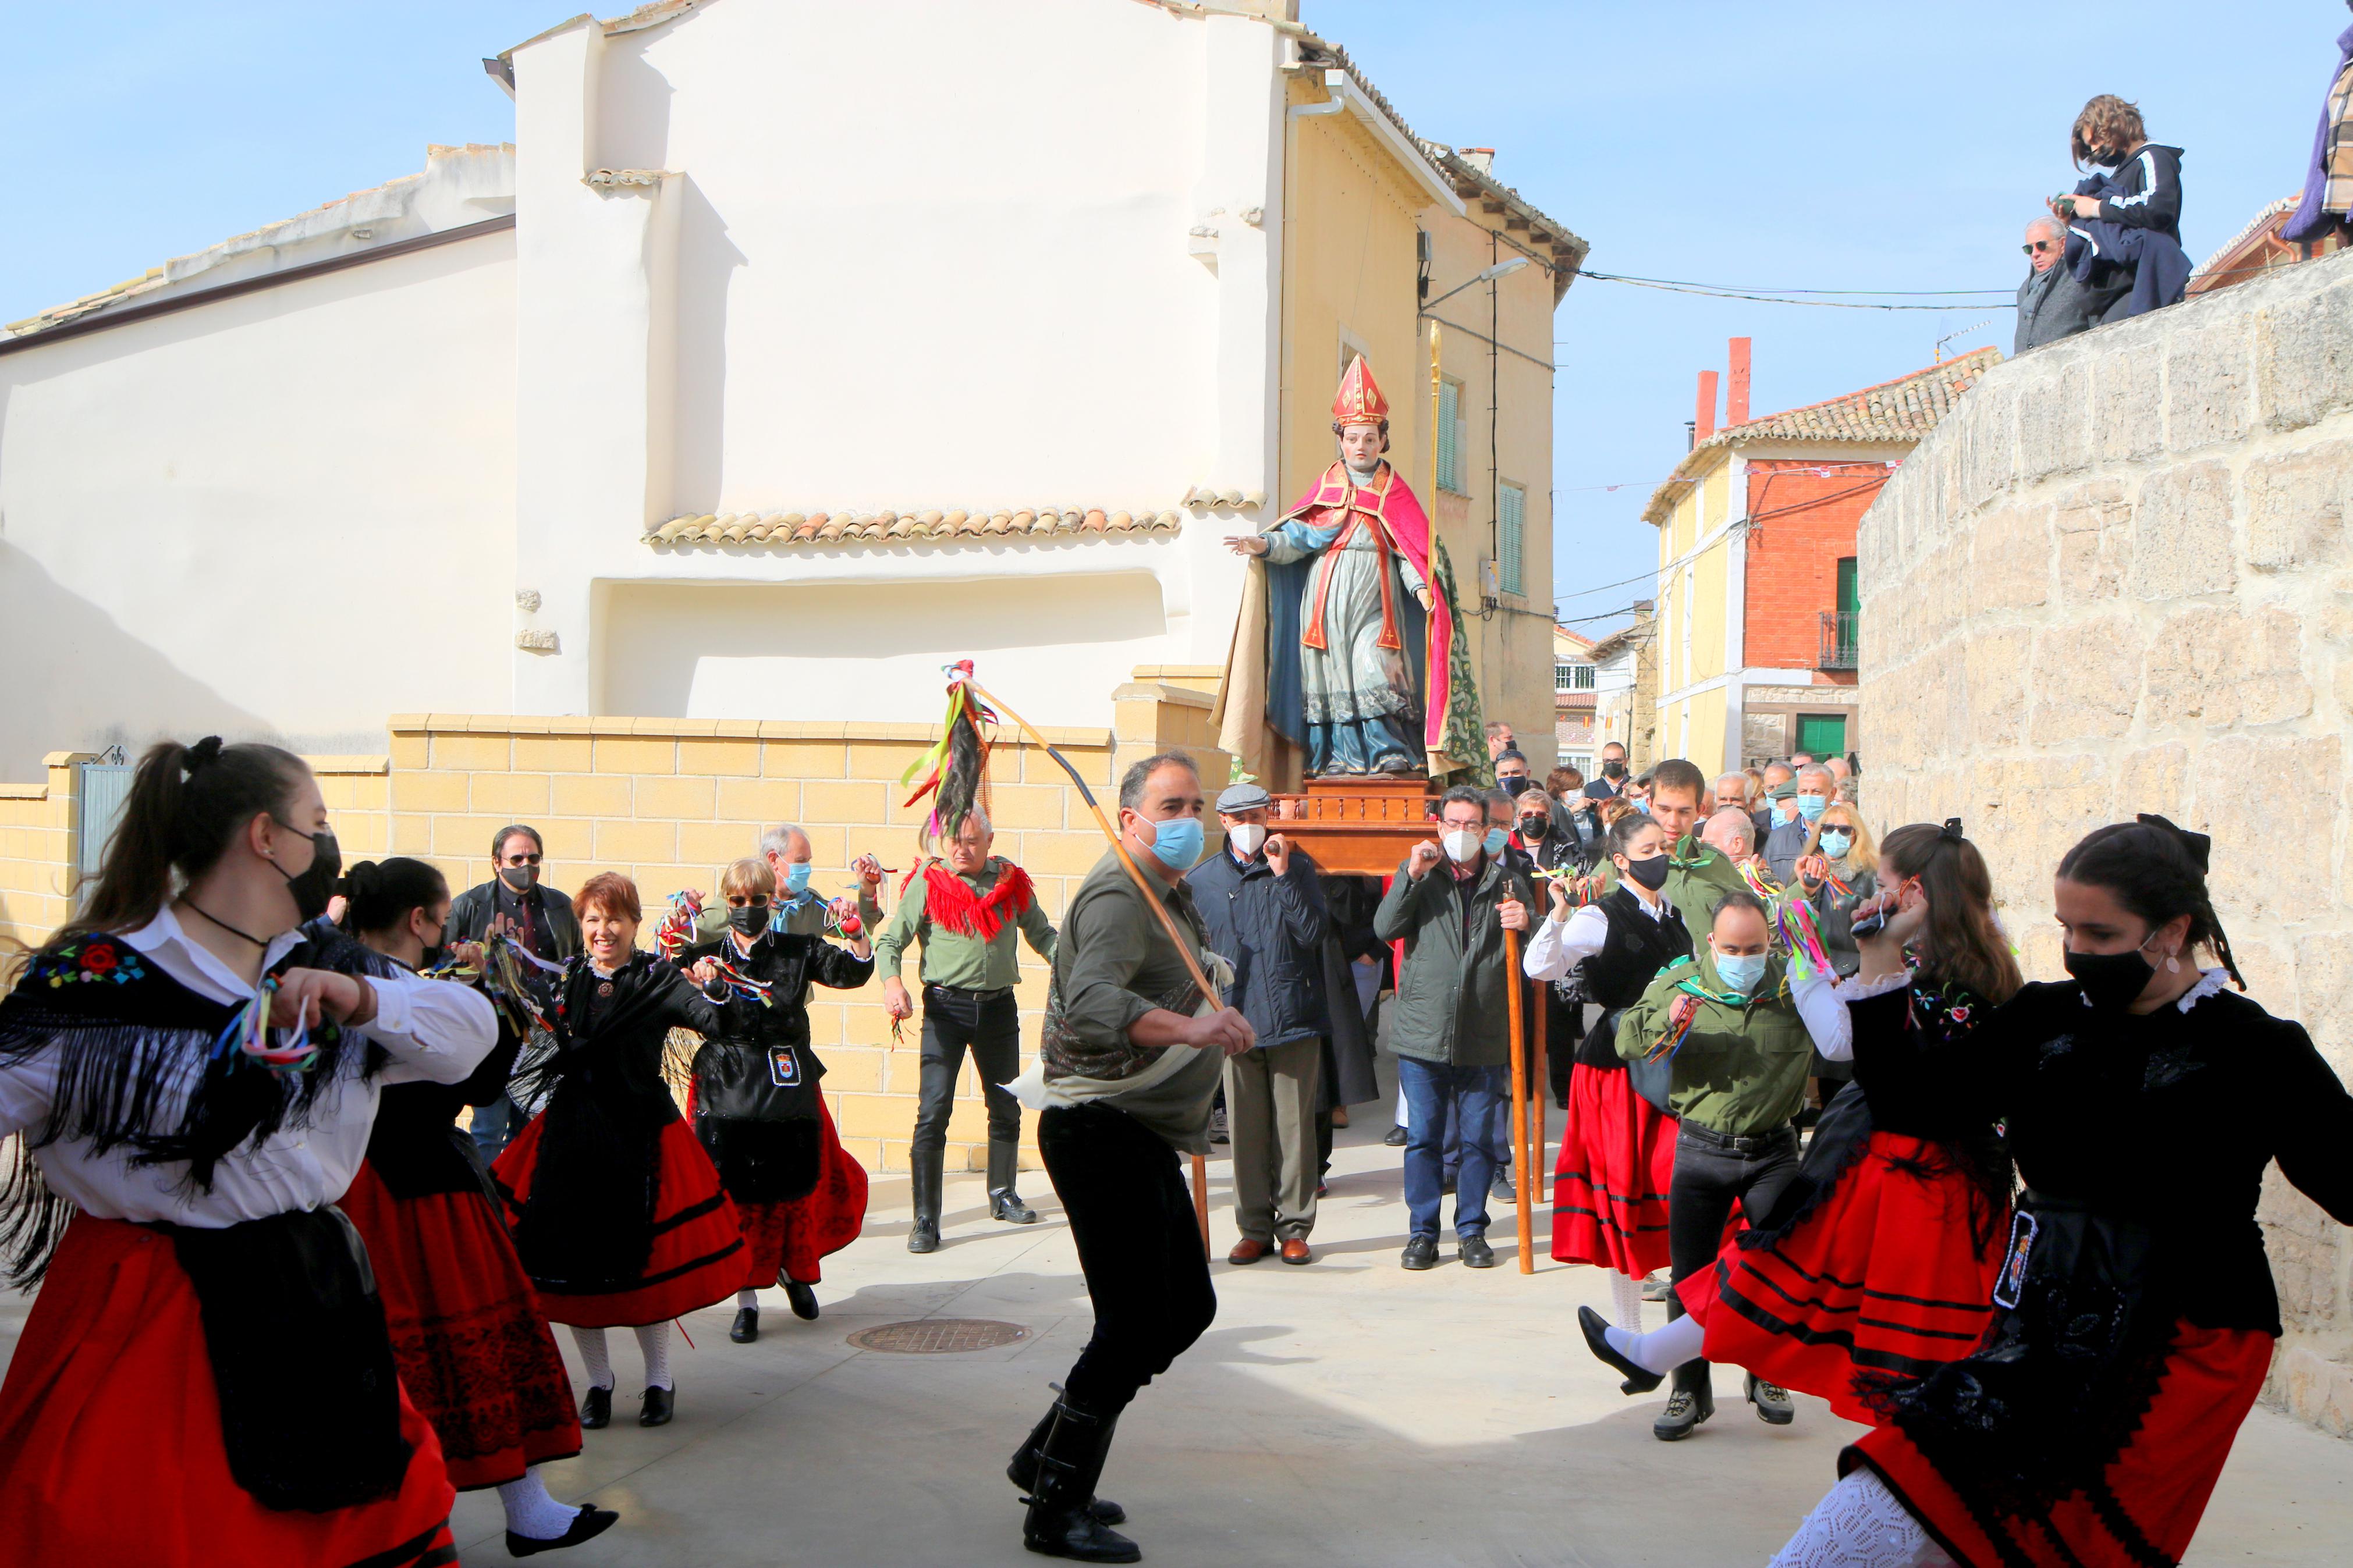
x: 1450, y: 903
x: 2052, y: 304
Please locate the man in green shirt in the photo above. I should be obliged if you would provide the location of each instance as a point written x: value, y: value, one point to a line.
x: 1742, y: 1030
x: 1698, y: 876
x: 964, y: 913
x: 800, y: 909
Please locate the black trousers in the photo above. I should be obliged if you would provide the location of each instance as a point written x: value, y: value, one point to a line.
x: 1712, y: 1173
x: 1131, y: 1216
x: 989, y: 1026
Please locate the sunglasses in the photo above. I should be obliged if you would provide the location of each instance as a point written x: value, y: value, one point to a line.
x: 2039, y: 245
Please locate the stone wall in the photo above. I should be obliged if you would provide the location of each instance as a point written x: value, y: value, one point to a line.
x: 669, y: 801
x: 2117, y: 579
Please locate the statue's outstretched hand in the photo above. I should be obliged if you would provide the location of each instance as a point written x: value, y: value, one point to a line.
x: 1246, y: 543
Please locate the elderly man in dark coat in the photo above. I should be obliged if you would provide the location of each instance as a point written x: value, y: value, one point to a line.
x: 2051, y: 303
x: 1262, y: 905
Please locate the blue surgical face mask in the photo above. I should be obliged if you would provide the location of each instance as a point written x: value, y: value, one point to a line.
x: 1810, y: 806
x: 1177, y: 842
x: 1782, y: 811
x: 1740, y: 972
x: 796, y: 878
x: 1836, y: 842
x: 1493, y: 844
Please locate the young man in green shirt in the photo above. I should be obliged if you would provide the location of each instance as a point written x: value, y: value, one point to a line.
x: 1742, y: 1033
x: 963, y: 912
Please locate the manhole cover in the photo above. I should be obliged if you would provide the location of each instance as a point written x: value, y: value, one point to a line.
x: 938, y: 1336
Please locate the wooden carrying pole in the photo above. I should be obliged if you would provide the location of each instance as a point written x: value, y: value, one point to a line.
x: 1520, y: 1101
x: 1150, y: 898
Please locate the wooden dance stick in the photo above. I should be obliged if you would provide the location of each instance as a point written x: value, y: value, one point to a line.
x: 1519, y: 1100
x: 1167, y: 921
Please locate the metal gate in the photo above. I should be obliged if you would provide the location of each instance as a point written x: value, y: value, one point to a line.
x: 100, y: 788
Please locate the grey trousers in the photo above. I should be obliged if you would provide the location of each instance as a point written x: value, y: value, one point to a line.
x: 1271, y: 1118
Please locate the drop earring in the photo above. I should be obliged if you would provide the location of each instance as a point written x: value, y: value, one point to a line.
x: 2172, y: 965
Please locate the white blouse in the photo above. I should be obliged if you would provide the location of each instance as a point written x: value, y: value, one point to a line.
x: 434, y: 1031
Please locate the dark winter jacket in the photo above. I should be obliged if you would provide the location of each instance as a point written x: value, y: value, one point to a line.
x: 1273, y: 929
x: 1451, y: 1000
x: 2144, y: 192
x: 2053, y: 304
x: 471, y: 911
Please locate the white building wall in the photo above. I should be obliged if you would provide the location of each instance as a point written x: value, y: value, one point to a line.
x: 284, y: 515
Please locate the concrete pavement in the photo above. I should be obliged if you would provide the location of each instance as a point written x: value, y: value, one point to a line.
x: 1346, y: 1411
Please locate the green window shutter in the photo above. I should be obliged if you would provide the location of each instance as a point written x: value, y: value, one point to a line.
x: 1511, y: 519
x: 1822, y: 734
x: 1450, y: 448
x: 1848, y: 600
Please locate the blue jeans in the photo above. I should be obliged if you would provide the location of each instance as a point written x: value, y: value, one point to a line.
x: 1435, y: 1095
x: 495, y: 1126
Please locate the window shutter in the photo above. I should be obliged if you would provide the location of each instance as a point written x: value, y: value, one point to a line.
x: 1511, y: 517
x: 1449, y: 446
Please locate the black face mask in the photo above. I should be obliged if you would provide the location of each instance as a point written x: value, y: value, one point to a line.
x: 1513, y: 785
x: 1535, y: 826
x: 750, y: 919
x: 314, y: 887
x: 519, y: 879
x: 1613, y: 770
x: 2111, y: 981
x: 1650, y: 871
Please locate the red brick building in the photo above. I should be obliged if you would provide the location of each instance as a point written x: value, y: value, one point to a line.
x: 1759, y: 601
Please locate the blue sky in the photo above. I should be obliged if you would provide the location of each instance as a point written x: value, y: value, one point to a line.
x: 1852, y: 144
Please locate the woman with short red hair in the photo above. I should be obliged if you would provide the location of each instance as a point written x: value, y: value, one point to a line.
x: 616, y: 1210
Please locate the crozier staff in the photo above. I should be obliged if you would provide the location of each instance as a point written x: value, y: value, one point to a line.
x: 1129, y: 1060
x: 205, y: 1376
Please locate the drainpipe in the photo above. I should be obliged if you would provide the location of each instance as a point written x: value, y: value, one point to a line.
x: 1335, y: 83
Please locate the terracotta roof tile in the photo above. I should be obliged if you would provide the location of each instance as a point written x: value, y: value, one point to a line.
x: 795, y: 529
x: 1900, y: 410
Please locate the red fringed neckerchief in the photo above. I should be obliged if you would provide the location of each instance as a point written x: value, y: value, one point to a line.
x: 950, y: 903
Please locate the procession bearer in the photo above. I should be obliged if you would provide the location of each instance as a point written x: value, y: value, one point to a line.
x: 963, y: 912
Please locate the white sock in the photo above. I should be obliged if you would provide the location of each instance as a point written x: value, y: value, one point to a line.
x: 653, y: 1344
x: 1661, y: 1350
x: 748, y: 1299
x: 1626, y: 1301
x: 532, y: 1512
x: 592, y: 1355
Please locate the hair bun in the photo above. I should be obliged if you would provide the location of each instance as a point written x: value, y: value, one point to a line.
x: 2199, y: 846
x: 1951, y: 832
x: 202, y: 754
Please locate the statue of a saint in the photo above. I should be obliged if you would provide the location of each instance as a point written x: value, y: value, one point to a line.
x: 1358, y: 646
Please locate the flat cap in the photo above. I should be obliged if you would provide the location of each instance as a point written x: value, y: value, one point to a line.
x: 1243, y: 797
x: 1785, y: 790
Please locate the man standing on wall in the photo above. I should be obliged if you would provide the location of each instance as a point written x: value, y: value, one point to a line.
x: 1263, y: 904
x: 539, y: 918
x: 965, y: 914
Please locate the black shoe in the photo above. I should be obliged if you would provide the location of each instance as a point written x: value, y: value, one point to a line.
x: 1774, y: 1406
x: 803, y: 1300
x: 1639, y: 1378
x: 661, y: 1403
x: 597, y: 1410
x: 1061, y: 1521
x: 747, y: 1325
x: 587, y: 1525
x: 1501, y: 1188
x: 1007, y: 1206
x: 1323, y: 1190
x: 1475, y: 1252
x: 1023, y: 1473
x: 1420, y: 1252
x: 1686, y: 1408
x: 1394, y: 1138
x: 924, y: 1236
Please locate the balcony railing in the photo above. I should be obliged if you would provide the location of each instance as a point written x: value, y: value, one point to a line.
x: 1840, y: 632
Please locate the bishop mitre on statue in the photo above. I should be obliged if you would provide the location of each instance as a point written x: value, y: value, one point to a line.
x: 1357, y: 648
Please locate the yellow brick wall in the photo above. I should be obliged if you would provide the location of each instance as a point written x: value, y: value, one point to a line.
x: 668, y: 802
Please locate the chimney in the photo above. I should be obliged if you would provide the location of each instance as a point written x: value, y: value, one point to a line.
x: 1736, y: 391
x: 1705, y: 425
x: 1480, y: 158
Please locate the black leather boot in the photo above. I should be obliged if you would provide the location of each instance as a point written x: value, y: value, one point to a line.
x: 1059, y: 1522
x: 923, y: 1176
x: 1023, y: 1471
x: 1004, y: 1203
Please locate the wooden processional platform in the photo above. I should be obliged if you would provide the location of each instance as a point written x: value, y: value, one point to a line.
x: 1357, y: 826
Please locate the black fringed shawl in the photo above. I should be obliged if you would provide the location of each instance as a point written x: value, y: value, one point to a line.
x: 126, y: 1037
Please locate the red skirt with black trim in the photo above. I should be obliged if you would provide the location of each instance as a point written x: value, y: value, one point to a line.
x: 698, y: 1251
x: 2155, y: 1490
x: 787, y: 1240
x: 111, y: 1447
x: 1610, y: 1182
x: 474, y: 1352
x: 1883, y: 1280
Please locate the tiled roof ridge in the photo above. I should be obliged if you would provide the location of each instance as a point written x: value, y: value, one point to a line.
x: 1989, y: 354
x: 2256, y: 225
x: 800, y: 530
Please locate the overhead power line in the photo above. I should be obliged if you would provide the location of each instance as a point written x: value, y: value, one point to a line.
x: 1979, y: 299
